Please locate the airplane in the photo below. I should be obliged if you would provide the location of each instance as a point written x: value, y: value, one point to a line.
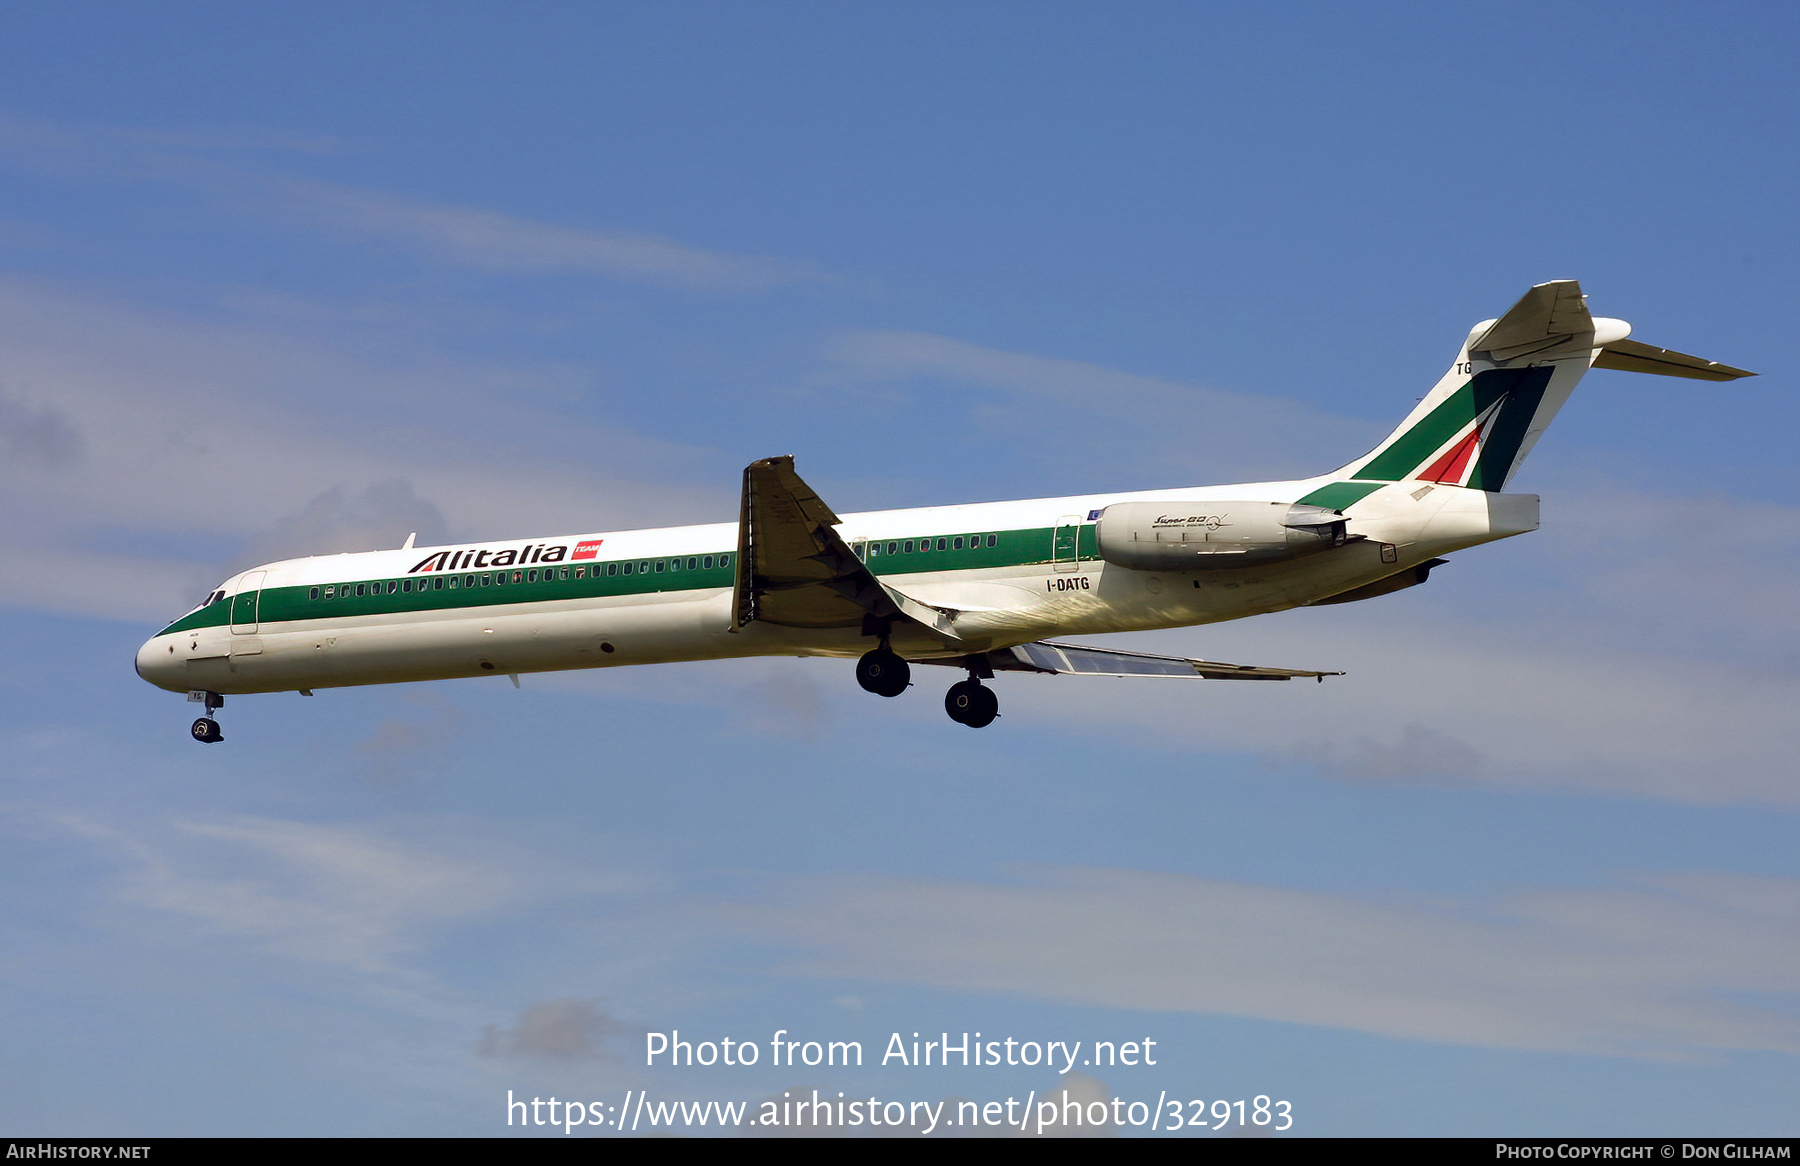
x: 978, y: 588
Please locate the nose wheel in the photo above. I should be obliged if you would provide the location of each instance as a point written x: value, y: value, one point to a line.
x: 971, y: 703
x: 206, y: 730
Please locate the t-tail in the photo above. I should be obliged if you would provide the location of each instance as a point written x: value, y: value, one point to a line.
x: 1513, y: 374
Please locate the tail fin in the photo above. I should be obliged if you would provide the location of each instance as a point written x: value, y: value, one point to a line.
x: 1510, y: 379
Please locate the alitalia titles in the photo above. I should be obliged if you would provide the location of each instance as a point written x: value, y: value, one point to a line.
x: 486, y: 557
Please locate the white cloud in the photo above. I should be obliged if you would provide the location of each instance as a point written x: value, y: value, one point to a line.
x: 1664, y: 968
x: 491, y: 241
x: 101, y: 584
x: 179, y: 433
x: 1086, y: 414
x: 457, y: 235
x: 1458, y: 701
x: 322, y: 894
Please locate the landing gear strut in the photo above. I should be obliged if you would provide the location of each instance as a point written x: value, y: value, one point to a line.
x: 206, y: 730
x: 971, y: 703
x: 883, y: 672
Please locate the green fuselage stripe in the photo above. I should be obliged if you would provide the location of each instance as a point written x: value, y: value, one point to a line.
x: 1341, y: 494
x: 1013, y: 548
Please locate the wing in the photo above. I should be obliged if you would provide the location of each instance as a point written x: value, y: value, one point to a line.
x: 793, y: 570
x: 1075, y: 660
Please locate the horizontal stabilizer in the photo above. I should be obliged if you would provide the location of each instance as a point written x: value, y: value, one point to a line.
x: 1075, y: 660
x: 1630, y: 356
x: 1549, y: 321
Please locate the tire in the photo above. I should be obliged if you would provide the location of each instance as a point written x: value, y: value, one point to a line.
x: 206, y: 731
x: 883, y: 673
x: 962, y: 700
x: 987, y: 707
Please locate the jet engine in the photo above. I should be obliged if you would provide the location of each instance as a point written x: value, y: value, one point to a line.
x: 1200, y: 536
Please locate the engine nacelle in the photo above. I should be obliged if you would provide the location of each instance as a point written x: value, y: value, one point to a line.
x: 1201, y: 536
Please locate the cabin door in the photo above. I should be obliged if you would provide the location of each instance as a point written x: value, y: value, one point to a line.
x: 245, y: 603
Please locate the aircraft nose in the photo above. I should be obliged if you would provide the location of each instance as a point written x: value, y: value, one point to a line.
x: 159, y: 665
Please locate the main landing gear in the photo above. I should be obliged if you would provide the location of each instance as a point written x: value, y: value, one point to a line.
x: 206, y: 730
x: 969, y: 702
x: 883, y: 672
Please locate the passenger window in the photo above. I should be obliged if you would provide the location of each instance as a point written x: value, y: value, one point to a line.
x: 438, y: 583
x: 643, y: 566
x: 893, y: 548
x: 874, y: 550
x: 959, y: 542
x: 565, y: 572
x: 531, y: 577
x: 940, y: 545
x: 724, y: 560
x: 330, y: 591
x: 993, y: 540
x: 314, y: 594
x: 674, y: 565
x: 659, y: 566
x: 518, y: 576
x: 484, y: 580
x: 613, y: 568
x: 361, y: 588
x: 468, y: 580
x: 392, y: 586
x: 406, y: 585
x: 707, y: 562
x: 692, y: 562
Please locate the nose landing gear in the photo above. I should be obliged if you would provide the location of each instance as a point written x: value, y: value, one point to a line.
x: 206, y: 730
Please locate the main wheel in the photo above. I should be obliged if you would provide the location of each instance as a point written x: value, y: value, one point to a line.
x: 962, y: 700
x: 206, y: 730
x: 971, y: 703
x: 987, y: 707
x: 883, y: 673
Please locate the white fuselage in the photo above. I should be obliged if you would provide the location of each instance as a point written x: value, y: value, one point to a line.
x: 285, y: 625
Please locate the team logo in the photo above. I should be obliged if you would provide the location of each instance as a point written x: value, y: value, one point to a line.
x: 588, y: 549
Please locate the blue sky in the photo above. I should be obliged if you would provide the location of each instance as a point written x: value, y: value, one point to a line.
x: 288, y: 283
